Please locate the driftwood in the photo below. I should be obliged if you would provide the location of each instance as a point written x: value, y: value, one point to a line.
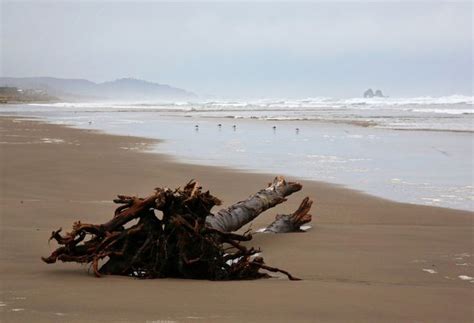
x: 292, y: 222
x: 241, y: 213
x: 185, y: 241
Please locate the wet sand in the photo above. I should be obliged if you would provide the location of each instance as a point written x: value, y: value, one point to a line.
x: 365, y: 259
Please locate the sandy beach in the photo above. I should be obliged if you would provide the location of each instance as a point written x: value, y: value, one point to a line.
x: 366, y: 259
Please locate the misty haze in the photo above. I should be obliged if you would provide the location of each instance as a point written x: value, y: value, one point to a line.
x: 232, y: 161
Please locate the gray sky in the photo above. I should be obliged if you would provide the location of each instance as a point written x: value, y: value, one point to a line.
x: 251, y: 49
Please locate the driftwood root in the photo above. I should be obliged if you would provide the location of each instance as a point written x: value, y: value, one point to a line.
x: 172, y: 233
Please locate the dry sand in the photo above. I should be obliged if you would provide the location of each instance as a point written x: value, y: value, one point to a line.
x: 366, y: 259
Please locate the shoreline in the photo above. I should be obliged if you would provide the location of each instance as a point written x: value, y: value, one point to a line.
x: 363, y: 260
x: 385, y: 182
x: 154, y: 142
x: 357, y: 123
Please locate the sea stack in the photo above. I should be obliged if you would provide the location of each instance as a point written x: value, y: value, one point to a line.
x: 370, y: 94
x: 379, y: 94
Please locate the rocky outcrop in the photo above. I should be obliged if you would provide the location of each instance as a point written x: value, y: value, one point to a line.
x: 370, y: 94
x: 379, y: 94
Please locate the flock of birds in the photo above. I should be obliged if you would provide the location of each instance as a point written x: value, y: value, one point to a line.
x: 196, y: 127
x: 235, y: 127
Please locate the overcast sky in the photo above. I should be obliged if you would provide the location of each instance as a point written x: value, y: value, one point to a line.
x: 235, y: 49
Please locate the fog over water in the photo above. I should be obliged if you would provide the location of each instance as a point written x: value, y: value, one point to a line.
x: 247, y: 49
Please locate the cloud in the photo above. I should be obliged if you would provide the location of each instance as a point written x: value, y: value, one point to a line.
x: 244, y: 48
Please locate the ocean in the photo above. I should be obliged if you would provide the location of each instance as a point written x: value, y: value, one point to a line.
x: 414, y: 150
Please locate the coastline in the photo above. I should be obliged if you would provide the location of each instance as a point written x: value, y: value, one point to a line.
x: 348, y: 155
x: 363, y: 259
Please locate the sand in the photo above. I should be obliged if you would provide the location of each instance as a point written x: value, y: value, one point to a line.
x: 365, y: 259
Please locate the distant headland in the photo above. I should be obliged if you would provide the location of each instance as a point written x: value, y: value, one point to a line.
x: 10, y: 94
x: 124, y: 89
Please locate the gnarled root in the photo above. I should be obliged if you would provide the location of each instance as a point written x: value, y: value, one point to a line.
x: 187, y: 241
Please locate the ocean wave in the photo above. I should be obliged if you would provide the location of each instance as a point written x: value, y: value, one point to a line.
x: 273, y: 104
x: 337, y: 102
x: 424, y: 100
x: 445, y: 111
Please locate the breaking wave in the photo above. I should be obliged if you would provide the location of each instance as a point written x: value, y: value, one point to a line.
x: 447, y: 113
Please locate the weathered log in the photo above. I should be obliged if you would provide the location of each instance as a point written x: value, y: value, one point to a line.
x: 292, y: 222
x: 234, y: 217
x: 187, y: 241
